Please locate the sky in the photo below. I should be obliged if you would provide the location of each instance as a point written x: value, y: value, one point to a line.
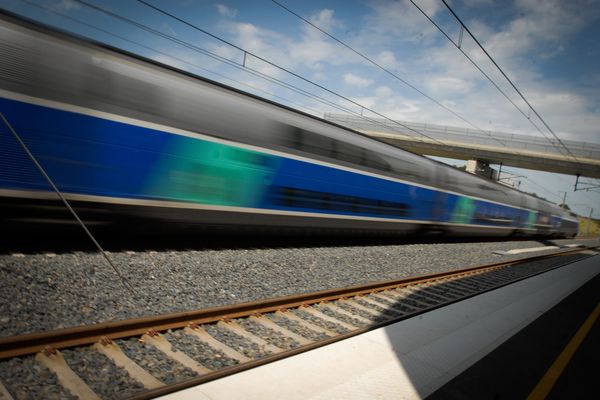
x: 549, y: 48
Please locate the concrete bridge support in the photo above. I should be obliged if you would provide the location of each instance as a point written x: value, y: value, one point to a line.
x: 481, y: 168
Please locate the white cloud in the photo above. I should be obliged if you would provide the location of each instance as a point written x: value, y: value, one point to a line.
x: 399, y: 38
x: 324, y: 19
x: 263, y: 42
x: 314, y: 48
x: 386, y: 101
x: 542, y: 25
x: 447, y: 86
x: 355, y: 80
x: 226, y: 11
x: 399, y: 21
x: 387, y: 59
x: 311, y: 49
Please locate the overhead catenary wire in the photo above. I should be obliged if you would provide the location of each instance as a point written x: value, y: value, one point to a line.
x: 246, y: 52
x: 154, y: 50
x: 460, y: 48
x: 272, y: 64
x: 419, y: 91
x: 238, y: 65
x: 508, y: 79
x: 25, y: 148
x: 534, y: 183
x: 528, y: 117
x: 388, y: 71
x: 265, y: 76
x: 193, y: 26
x: 544, y: 189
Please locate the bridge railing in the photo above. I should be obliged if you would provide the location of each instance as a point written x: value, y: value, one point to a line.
x: 467, y: 135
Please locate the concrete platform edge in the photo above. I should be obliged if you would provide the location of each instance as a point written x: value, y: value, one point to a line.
x: 410, y: 359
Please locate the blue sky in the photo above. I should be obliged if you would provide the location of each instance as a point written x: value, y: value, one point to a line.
x: 548, y: 47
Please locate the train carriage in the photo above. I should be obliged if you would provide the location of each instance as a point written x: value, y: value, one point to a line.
x: 128, y: 138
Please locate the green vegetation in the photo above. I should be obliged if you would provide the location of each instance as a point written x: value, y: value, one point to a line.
x: 589, y: 227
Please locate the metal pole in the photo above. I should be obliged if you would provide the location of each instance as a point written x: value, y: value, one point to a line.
x: 589, y: 224
x: 125, y: 282
x: 500, y: 170
x: 564, y: 200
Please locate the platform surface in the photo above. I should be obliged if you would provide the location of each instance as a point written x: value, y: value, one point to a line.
x: 410, y: 359
x: 554, y: 357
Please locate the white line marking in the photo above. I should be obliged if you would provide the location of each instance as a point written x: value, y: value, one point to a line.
x: 532, y: 249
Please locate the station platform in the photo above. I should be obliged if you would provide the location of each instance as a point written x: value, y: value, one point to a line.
x: 512, y: 342
x: 554, y: 357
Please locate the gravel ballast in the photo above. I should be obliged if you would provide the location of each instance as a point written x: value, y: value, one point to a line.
x: 236, y: 342
x: 102, y: 376
x: 342, y: 317
x: 199, y: 351
x: 297, y: 328
x: 152, y: 360
x: 25, y: 378
x: 268, y: 335
x: 332, y: 326
x: 49, y: 291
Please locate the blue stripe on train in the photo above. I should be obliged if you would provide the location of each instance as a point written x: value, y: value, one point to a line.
x: 91, y: 155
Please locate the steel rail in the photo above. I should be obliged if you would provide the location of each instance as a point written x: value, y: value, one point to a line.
x: 20, y: 345
x: 473, y: 271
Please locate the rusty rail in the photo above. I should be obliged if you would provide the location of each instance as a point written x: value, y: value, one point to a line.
x: 19, y: 345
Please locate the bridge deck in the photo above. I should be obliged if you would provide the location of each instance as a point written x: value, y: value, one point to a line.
x: 494, y: 147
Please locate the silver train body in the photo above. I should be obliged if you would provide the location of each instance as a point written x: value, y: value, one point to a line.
x: 126, y: 138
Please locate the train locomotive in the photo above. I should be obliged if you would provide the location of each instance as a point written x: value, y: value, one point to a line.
x: 125, y: 138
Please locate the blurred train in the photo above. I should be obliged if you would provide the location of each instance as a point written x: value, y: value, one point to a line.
x: 129, y: 139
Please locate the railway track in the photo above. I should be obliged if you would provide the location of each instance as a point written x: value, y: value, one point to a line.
x: 147, y: 357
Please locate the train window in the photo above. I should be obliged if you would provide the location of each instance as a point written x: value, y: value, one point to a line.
x: 462, y: 182
x: 350, y: 153
x: 309, y: 199
x: 306, y: 141
x: 106, y: 82
x: 320, y: 145
x: 373, y: 160
x: 404, y: 168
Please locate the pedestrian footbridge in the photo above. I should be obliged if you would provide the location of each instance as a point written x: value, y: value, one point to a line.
x: 484, y: 146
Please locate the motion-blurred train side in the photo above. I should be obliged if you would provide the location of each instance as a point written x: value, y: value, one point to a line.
x: 125, y: 137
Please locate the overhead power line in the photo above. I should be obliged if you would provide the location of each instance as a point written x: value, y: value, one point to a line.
x: 181, y: 60
x: 387, y: 71
x: 244, y: 67
x: 230, y: 62
x: 193, y: 26
x: 265, y: 76
x: 508, y: 79
x: 274, y: 80
x: 258, y: 73
x: 459, y: 47
x: 559, y: 149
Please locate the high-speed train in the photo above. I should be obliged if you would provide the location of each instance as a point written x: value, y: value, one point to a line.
x: 127, y: 138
